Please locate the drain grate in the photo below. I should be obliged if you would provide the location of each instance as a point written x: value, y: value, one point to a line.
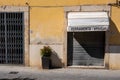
x: 13, y: 72
x: 18, y: 79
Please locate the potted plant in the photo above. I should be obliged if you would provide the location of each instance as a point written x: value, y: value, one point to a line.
x: 46, y: 53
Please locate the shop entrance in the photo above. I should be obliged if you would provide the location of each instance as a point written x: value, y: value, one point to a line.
x: 86, y: 48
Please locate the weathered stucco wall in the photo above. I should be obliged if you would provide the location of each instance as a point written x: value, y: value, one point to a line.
x: 115, y: 26
x: 56, y: 58
x: 47, y: 25
x: 114, y: 57
x: 53, y: 2
x: 114, y: 41
x: 65, y: 2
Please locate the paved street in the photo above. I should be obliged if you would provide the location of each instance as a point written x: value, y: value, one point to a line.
x: 10, y: 72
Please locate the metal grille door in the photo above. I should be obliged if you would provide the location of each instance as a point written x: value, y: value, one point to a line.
x: 11, y: 38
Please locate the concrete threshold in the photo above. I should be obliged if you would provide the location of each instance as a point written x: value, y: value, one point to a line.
x: 87, y: 67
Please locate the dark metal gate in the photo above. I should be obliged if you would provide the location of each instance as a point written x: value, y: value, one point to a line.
x: 11, y: 38
x: 86, y: 48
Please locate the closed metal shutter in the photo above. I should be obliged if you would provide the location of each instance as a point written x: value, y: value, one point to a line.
x: 86, y: 48
x: 11, y: 38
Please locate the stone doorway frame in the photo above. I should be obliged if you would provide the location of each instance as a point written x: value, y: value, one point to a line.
x: 87, y: 8
x: 25, y: 10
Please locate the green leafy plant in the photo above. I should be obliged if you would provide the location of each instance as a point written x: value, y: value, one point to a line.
x: 46, y: 51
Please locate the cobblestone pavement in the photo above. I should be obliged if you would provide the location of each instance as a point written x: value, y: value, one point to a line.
x: 27, y: 73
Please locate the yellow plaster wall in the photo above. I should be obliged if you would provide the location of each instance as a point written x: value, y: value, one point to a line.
x: 115, y: 26
x: 13, y: 2
x: 46, y: 24
x: 44, y: 20
x: 65, y: 2
x: 53, y: 2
